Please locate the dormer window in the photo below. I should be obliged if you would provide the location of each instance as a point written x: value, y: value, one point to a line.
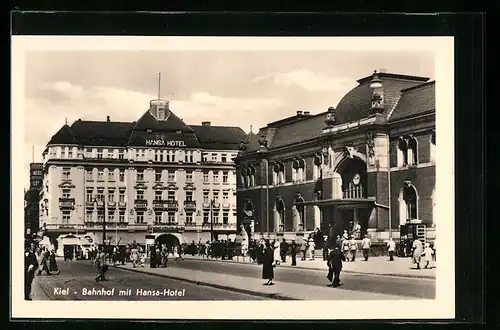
x: 161, y: 113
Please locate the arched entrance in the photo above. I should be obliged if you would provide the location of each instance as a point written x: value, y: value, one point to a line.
x: 353, y: 174
x: 170, y: 239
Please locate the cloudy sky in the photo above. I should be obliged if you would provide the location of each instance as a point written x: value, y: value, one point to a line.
x: 235, y: 88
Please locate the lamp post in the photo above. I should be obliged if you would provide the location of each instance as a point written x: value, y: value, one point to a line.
x: 103, y: 219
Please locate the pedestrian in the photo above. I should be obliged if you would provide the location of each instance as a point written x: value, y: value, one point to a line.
x: 346, y: 247
x: 391, y: 248
x: 164, y: 255
x: 30, y: 266
x: 365, y: 245
x: 417, y: 252
x: 268, y: 264
x: 100, y: 263
x: 353, y: 247
x: 310, y: 247
x: 338, y: 241
x: 325, y: 248
x: 44, y: 263
x: 134, y: 256
x: 276, y: 252
x: 334, y: 263
x: 293, y: 253
x: 283, y: 250
x: 428, y: 256
x: 303, y: 249
x: 153, y: 257
x: 53, y: 263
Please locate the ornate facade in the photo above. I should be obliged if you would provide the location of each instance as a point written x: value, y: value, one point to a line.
x: 151, y: 176
x: 368, y: 164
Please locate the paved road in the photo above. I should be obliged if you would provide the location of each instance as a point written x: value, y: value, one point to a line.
x: 401, y: 286
x: 77, y: 277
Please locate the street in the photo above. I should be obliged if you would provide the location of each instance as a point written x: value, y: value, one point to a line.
x: 76, y: 282
x: 400, y: 286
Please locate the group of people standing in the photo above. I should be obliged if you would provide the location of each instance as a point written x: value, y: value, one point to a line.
x: 41, y: 259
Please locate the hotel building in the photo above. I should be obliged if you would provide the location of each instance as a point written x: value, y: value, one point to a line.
x: 366, y: 164
x: 155, y: 175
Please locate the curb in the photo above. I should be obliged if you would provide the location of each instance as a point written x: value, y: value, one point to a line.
x: 307, y: 268
x: 213, y: 285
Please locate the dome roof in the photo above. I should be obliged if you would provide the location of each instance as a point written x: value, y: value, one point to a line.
x: 356, y: 104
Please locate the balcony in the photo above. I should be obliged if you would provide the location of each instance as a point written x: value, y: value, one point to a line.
x: 171, y: 204
x: 111, y: 204
x: 141, y: 204
x: 137, y: 226
x: 122, y: 205
x: 206, y: 205
x: 192, y: 226
x: 190, y: 205
x: 159, y: 203
x: 167, y: 226
x: 67, y: 203
x: 220, y: 226
x: 226, y: 205
x: 89, y: 204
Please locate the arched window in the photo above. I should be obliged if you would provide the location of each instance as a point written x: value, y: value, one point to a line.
x: 412, y: 150
x: 276, y: 170
x: 408, y: 203
x: 302, y: 169
x: 279, y: 220
x: 279, y: 173
x: 244, y: 177
x: 433, y: 146
x: 402, y: 157
x: 295, y: 170
x: 316, y: 167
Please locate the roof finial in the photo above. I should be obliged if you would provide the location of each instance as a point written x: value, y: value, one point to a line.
x: 251, y: 128
x: 159, y: 84
x: 66, y: 120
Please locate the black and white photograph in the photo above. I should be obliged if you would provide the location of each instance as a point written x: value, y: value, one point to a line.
x: 276, y: 178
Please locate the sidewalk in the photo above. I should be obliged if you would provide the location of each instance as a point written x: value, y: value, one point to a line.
x: 374, y: 266
x: 255, y: 287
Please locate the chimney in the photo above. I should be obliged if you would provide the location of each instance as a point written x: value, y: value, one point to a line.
x: 299, y: 113
x: 306, y: 113
x: 205, y: 123
x: 107, y: 118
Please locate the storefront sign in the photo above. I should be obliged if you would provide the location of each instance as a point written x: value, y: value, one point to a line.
x: 162, y: 143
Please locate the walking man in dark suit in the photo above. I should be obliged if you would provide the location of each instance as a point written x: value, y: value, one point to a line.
x: 293, y: 252
x: 334, y: 262
x: 30, y: 266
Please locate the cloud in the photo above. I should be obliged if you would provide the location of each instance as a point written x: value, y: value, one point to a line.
x: 312, y: 81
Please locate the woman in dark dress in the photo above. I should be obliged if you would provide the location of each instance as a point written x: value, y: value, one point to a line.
x: 268, y: 265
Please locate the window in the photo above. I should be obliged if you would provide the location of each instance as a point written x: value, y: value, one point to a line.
x: 206, y: 198
x: 214, y: 157
x: 121, y: 196
x: 122, y: 175
x: 158, y: 155
x: 216, y: 217
x: 140, y: 175
x: 90, y: 195
x: 316, y: 167
x: 189, y: 196
x: 111, y: 175
x: 139, y: 194
x: 110, y: 153
x: 206, y: 217
x: 66, y: 173
x: 121, y: 154
x: 143, y: 154
x: 216, y: 177
x: 66, y: 215
x: 70, y: 153
x: 100, y: 175
x: 100, y: 195
x: 100, y: 216
x: 171, y: 176
x: 52, y: 153
x: 111, y: 216
x: 88, y: 216
x: 121, y: 216
x: 171, y: 217
x: 225, y: 177
x: 189, y: 176
x: 188, y: 157
x: 158, y: 195
x: 225, y: 198
x: 173, y: 156
x: 412, y: 150
x: 433, y: 147
x: 171, y: 195
x: 224, y: 158
x: 139, y: 218
x: 408, y: 200
x: 205, y: 177
x: 216, y: 197
x: 204, y: 157
x: 225, y: 218
x: 191, y: 157
x: 158, y: 217
x: 63, y: 153
x: 402, y: 150
x: 189, y: 217
x: 158, y: 175
x: 66, y: 193
x: 99, y: 153
x: 111, y: 195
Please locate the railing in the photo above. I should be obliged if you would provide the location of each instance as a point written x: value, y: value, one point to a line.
x: 53, y: 226
x: 165, y: 226
x: 231, y: 226
x: 206, y: 205
x: 112, y: 204
x: 122, y: 204
x: 226, y: 205
x: 141, y: 203
x: 190, y: 204
x: 66, y: 202
x: 354, y: 192
x: 171, y: 204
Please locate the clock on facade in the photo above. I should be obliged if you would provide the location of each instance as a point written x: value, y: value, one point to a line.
x: 356, y: 179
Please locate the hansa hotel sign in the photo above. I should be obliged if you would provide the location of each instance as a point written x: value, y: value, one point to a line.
x: 163, y: 143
